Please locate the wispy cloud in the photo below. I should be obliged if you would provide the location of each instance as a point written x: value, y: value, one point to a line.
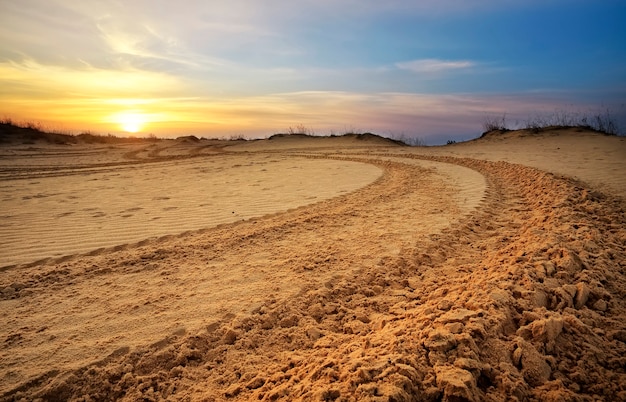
x: 432, y: 117
x: 258, y: 67
x: 45, y: 80
x: 435, y: 65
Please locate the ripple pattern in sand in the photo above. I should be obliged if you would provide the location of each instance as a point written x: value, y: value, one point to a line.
x: 58, y: 216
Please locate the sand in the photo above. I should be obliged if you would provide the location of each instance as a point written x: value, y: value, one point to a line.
x: 78, y: 211
x: 298, y: 268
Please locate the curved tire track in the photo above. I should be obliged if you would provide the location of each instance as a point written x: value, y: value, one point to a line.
x: 523, y: 299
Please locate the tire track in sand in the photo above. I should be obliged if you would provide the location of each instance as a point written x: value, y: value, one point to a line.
x: 91, y: 306
x: 516, y: 302
x: 56, y: 217
x: 522, y: 299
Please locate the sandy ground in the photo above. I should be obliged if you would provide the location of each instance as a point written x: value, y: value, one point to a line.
x: 79, y: 211
x: 315, y: 269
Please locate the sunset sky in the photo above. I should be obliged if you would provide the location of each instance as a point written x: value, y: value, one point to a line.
x: 427, y: 69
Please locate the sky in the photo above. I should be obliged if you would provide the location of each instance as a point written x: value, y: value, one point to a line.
x: 433, y: 70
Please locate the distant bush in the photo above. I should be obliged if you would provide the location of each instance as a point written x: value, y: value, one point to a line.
x: 29, y: 132
x: 410, y: 141
x: 300, y: 129
x: 495, y: 123
x: 237, y: 137
x: 602, y: 122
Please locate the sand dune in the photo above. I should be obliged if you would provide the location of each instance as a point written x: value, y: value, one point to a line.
x: 595, y: 159
x: 315, y: 269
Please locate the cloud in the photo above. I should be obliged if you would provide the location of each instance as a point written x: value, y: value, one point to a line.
x: 424, y: 115
x: 433, y: 117
x: 430, y: 66
x: 253, y: 66
x: 89, y: 81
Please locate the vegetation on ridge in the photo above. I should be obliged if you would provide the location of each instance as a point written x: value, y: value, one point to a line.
x: 601, y: 122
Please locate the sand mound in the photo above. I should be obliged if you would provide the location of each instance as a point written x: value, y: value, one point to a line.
x: 448, y: 278
x: 304, y: 142
x: 596, y: 159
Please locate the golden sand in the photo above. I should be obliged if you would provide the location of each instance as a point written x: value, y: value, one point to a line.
x: 315, y: 269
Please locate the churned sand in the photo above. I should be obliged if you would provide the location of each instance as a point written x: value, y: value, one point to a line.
x: 299, y: 268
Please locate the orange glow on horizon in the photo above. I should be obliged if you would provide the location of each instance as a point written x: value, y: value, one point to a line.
x: 130, y: 122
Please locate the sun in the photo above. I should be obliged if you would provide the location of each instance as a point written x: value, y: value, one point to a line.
x: 131, y: 122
